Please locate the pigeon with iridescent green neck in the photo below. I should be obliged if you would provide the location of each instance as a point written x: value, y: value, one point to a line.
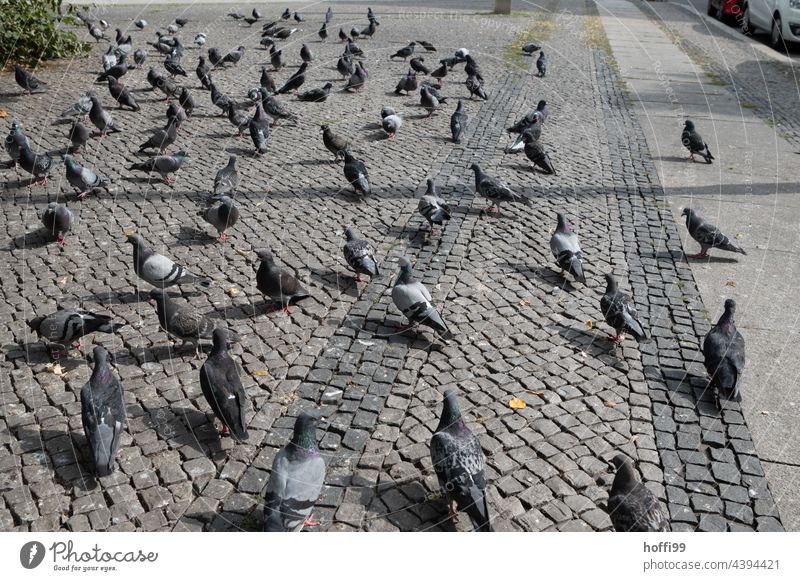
x: 15, y: 141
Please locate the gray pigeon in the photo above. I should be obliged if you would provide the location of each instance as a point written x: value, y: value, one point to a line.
x: 567, y: 250
x: 318, y: 95
x: 405, y: 52
x: 227, y: 179
x: 413, y: 300
x: 163, y: 164
x: 103, y: 414
x: 240, y: 120
x: 39, y: 165
x: 433, y: 208
x: 15, y: 142
x: 295, y: 482
x: 458, y: 122
x: 26, y: 80
x: 58, y: 221
x: 391, y: 124
x: 531, y: 48
x: 334, y: 143
x: 418, y: 66
x: 631, y: 505
x: 708, y: 235
x: 78, y: 136
x: 222, y: 387
x: 259, y: 130
x: 181, y: 322
x: 101, y: 118
x: 222, y: 214
x: 723, y: 349
x: 79, y: 108
x: 65, y: 326
x: 158, y: 270
x: 357, y: 79
x: 475, y: 88
x: 122, y: 95
x: 305, y: 54
x: 275, y: 108
x: 408, y: 83
x: 82, y: 178
x: 345, y: 65
x: 277, y: 284
x: 619, y: 312
x: 360, y: 255
x: 535, y: 152
x: 541, y: 64
x: 428, y: 101
x: 692, y: 141
x: 494, y: 190
x: 460, y: 465
x: 355, y: 172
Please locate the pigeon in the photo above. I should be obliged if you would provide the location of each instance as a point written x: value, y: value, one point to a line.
x: 708, y: 235
x: 458, y: 122
x: 328, y: 15
x: 162, y: 138
x: 284, y: 33
x: 619, y: 312
x: 391, y: 124
x: 15, y: 142
x: 345, y: 65
x: 140, y: 23
x: 354, y: 49
x: 158, y: 270
x: 460, y: 465
x: 413, y: 300
x: 181, y: 322
x: 101, y: 118
x: 355, y: 172
x: 26, y: 80
x: 405, y: 52
x: 38, y: 165
x: 181, y: 22
x: 535, y: 152
x: 275, y: 108
x: 531, y: 48
x: 541, y: 64
x: 439, y: 73
x: 416, y: 64
x: 323, y: 31
x: 426, y: 45
x: 222, y: 214
x: 723, y: 350
x: 692, y: 141
x: 342, y: 35
x: 461, y: 54
x: 237, y: 118
x: 433, y: 91
x: 408, y: 83
x: 266, y: 81
x: 83, y: 178
x: 58, y: 221
x: 355, y: 33
x: 371, y: 28
x: 222, y: 387
x: 103, y: 414
x: 298, y: 17
x: 336, y: 144
x: 139, y: 56
x: 214, y: 56
x: 472, y: 69
x: 227, y: 179
x: 117, y: 71
x: 97, y: 33
x: 167, y: 86
x: 534, y: 130
x: 109, y: 58
x: 428, y: 101
x: 256, y: 13
x: 360, y: 255
x: 316, y: 95
x: 174, y: 68
x: 186, y: 101
x: 79, y: 108
x: 78, y: 136
x: 567, y: 250
x: 298, y: 472
x: 475, y: 88
x: 357, y: 79
x: 234, y: 56
x: 122, y: 95
x: 200, y: 39
x: 277, y: 284
x: 433, y: 208
x: 163, y: 164
x: 66, y: 325
x: 631, y: 505
x: 221, y: 100
x: 276, y: 59
x: 305, y: 54
x: 258, y: 126
x: 295, y: 81
x: 494, y: 190
x: 203, y: 72
x: 175, y: 116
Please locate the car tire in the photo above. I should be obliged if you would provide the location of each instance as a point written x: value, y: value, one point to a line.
x: 776, y: 34
x: 747, y: 26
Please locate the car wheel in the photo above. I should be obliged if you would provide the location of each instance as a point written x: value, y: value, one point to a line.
x: 710, y: 10
x: 776, y: 34
x: 747, y: 26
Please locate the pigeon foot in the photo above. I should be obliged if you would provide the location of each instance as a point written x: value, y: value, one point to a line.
x: 311, y: 522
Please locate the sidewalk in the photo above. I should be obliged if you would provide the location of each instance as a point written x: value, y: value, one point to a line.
x: 748, y: 193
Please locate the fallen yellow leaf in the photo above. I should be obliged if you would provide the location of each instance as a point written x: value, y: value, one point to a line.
x: 517, y: 404
x: 260, y: 372
x: 739, y: 236
x: 3, y: 114
x: 62, y: 281
x: 55, y: 369
x: 242, y: 252
x: 480, y: 419
x: 610, y: 404
x: 764, y: 413
x: 730, y: 283
x: 589, y: 324
x: 524, y: 303
x: 234, y: 292
x: 633, y: 438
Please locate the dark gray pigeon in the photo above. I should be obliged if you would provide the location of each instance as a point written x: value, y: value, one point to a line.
x: 418, y: 65
x: 234, y: 56
x: 531, y: 48
x: 405, y: 52
x: 345, y: 65
x: 475, y: 88
x: 222, y: 387
x: 408, y: 83
x: 103, y: 414
x: 323, y: 31
x: 413, y: 300
x: 355, y: 172
x: 26, y: 80
x: 122, y: 95
x: 458, y: 122
x: 619, y: 312
x: 426, y: 45
x: 305, y: 54
x: 334, y: 143
x: 295, y: 81
x: 267, y: 81
x: 15, y: 142
x: 428, y: 101
x: 78, y: 136
x: 439, y: 73
x: 101, y: 118
x: 317, y: 95
x: 66, y: 325
x: 360, y: 255
x: 275, y: 108
x: 567, y: 250
x: 163, y: 164
x: 39, y: 165
x: 139, y: 56
x: 295, y: 482
x: 239, y: 119
x: 158, y: 270
x: 692, y: 141
x: 277, y: 284
x: 541, y: 64
x: 433, y: 208
x: 181, y: 322
x: 460, y: 466
x: 723, y: 349
x: 162, y: 138
x: 631, y: 505
x: 83, y: 178
x: 57, y: 220
x: 433, y: 91
x: 357, y: 79
x: 494, y: 190
x: 258, y: 126
x: 222, y: 214
x: 708, y: 235
x: 536, y: 153
x: 227, y: 179
x: 186, y: 101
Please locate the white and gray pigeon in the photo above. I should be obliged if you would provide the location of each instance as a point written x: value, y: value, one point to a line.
x: 67, y: 325
x: 567, y: 250
x: 58, y: 221
x: 631, y: 505
x: 222, y: 387
x: 391, y: 124
x: 355, y: 172
x: 619, y: 312
x: 433, y: 208
x: 360, y: 255
x: 277, y: 284
x: 460, y: 466
x: 79, y: 108
x: 412, y: 298
x: 182, y: 322
x: 227, y: 180
x: 221, y: 214
x: 298, y: 472
x: 103, y: 414
x: 708, y: 235
x: 693, y: 141
x: 158, y: 270
x: 494, y: 190
x: 83, y: 178
x: 723, y: 350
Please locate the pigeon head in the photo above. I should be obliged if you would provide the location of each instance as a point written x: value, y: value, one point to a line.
x: 349, y: 234
x: 475, y: 167
x: 265, y: 256
x: 305, y: 429
x: 451, y: 412
x: 135, y: 239
x: 35, y: 323
x: 431, y: 186
x: 688, y: 212
x: 323, y: 127
x: 689, y: 125
x: 563, y: 224
x: 626, y: 477
x: 541, y: 105
x: 220, y: 339
x: 100, y: 356
x: 611, y: 284
x: 327, y: 86
x: 730, y: 306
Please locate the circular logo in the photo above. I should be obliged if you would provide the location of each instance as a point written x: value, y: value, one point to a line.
x: 31, y: 554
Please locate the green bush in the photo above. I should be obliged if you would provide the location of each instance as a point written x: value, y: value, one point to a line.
x: 32, y: 31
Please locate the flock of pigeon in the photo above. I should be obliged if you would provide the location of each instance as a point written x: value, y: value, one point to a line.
x: 299, y: 469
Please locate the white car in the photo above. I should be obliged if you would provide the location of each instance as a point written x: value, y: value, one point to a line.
x: 780, y: 18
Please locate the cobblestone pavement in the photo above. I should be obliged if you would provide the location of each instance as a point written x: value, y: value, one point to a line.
x: 520, y: 330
